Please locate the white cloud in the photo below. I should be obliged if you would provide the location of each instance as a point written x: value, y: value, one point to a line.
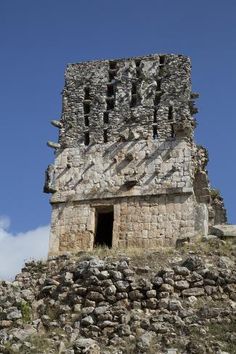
x: 16, y: 249
x: 4, y: 222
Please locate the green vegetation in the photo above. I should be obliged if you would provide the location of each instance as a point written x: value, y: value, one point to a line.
x: 26, y: 311
x: 215, y: 193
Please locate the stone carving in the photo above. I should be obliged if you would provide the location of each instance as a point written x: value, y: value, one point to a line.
x: 49, y: 180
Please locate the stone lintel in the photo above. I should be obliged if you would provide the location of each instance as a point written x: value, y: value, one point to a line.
x: 73, y: 198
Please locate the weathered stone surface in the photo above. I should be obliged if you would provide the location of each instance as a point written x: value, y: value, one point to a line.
x: 151, y: 293
x: 192, y: 263
x: 86, y: 345
x: 175, y: 305
x: 14, y: 314
x: 166, y: 288
x: 95, y: 296
x: 157, y: 281
x: 111, y: 290
x: 193, y: 292
x: 122, y: 285
x: 181, y: 270
x: 224, y: 231
x: 86, y: 310
x: 225, y: 262
x: 100, y: 310
x: 135, y: 295
x: 163, y: 303
x: 181, y: 284
x: 152, y: 303
x: 144, y: 342
x: 86, y: 321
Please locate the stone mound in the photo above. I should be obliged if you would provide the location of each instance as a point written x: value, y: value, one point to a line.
x: 112, y: 304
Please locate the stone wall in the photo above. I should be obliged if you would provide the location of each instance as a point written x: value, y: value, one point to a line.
x: 217, y: 211
x: 142, y: 301
x: 122, y: 169
x: 138, y: 222
x: 125, y: 99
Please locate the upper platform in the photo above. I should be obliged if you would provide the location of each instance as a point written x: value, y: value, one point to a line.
x: 138, y: 98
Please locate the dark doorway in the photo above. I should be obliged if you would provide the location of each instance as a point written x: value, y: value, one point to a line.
x: 103, y: 236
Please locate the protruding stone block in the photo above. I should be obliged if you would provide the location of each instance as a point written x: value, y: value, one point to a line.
x: 53, y: 145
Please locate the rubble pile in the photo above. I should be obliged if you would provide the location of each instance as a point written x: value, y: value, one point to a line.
x: 87, y: 304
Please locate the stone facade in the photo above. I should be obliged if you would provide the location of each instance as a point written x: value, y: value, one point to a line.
x: 126, y: 161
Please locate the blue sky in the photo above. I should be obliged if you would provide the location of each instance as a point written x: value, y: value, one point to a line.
x: 38, y: 39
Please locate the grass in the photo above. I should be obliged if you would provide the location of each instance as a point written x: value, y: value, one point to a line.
x: 104, y: 251
x: 132, y: 252
x: 220, y: 330
x: 53, y: 312
x: 161, y: 256
x: 196, y: 246
x: 40, y: 343
x: 26, y: 312
x: 216, y: 333
x: 209, y: 247
x: 139, y: 257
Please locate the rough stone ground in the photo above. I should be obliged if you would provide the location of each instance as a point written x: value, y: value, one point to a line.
x: 137, y: 301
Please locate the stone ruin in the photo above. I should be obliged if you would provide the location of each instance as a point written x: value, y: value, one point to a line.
x: 127, y: 172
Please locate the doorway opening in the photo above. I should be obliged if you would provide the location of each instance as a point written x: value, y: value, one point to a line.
x: 104, y: 226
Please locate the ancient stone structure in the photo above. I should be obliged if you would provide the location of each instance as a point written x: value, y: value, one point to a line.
x: 127, y: 171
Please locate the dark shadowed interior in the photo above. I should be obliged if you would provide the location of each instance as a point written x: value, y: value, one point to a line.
x: 104, y: 229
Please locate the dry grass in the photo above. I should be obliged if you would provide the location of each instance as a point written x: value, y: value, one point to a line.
x: 104, y: 252
x: 197, y: 246
x: 162, y: 257
x: 138, y: 257
x: 223, y: 332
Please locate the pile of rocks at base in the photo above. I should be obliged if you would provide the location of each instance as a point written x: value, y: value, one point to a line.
x: 90, y: 305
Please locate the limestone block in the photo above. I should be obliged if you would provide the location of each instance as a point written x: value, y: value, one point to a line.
x: 224, y: 231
